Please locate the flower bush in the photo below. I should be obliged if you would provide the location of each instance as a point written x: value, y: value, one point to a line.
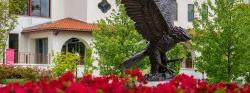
x: 11, y: 72
x: 127, y: 84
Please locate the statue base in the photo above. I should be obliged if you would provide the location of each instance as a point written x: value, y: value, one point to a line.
x: 158, y: 77
x: 156, y: 83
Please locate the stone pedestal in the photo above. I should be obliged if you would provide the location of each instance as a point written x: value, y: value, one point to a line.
x: 155, y: 83
x: 158, y: 77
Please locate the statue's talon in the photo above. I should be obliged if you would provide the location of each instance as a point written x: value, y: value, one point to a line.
x: 168, y: 70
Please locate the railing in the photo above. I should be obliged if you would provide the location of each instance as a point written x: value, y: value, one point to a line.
x: 37, y: 66
x: 32, y: 58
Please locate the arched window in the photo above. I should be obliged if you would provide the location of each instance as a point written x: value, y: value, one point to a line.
x: 74, y: 45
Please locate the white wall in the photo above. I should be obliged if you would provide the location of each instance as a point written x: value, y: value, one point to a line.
x: 183, y: 13
x: 85, y: 10
x: 27, y: 21
x: 57, y: 9
x: 55, y: 42
x: 76, y: 9
x: 63, y: 36
x: 30, y: 44
x: 94, y: 13
x: 32, y: 36
x: 24, y: 22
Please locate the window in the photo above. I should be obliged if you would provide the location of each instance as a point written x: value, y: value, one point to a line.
x: 190, y: 12
x: 42, y: 51
x: 204, y: 12
x: 74, y: 45
x: 104, y: 6
x: 39, y: 8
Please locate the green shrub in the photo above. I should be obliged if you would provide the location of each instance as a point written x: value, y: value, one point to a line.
x: 65, y: 62
x: 6, y: 81
x: 10, y: 72
x: 88, y: 62
x: 22, y: 73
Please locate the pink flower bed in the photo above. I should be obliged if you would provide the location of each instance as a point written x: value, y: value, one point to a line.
x: 114, y: 84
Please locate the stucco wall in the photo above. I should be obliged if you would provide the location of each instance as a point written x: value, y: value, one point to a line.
x: 94, y: 13
x: 29, y: 46
x: 85, y: 10
x: 32, y: 36
x: 55, y: 42
x: 24, y: 22
x: 183, y: 13
x: 27, y: 21
x: 76, y: 9
x: 59, y: 39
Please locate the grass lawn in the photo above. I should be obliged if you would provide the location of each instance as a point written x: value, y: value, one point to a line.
x: 5, y: 81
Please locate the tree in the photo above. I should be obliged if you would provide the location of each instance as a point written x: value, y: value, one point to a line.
x: 88, y: 62
x: 179, y: 52
x: 115, y: 40
x: 8, y: 15
x: 221, y: 35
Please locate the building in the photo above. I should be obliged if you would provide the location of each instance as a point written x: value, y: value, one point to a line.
x: 185, y: 13
x: 49, y: 26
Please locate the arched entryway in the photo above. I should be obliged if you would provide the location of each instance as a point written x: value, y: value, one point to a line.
x: 75, y: 46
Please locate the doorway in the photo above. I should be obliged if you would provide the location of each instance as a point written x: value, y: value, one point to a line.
x: 75, y: 46
x: 42, y: 51
x: 13, y: 44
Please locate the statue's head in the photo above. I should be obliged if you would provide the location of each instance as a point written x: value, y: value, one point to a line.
x: 180, y: 34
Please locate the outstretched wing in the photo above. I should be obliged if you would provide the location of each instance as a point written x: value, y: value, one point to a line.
x: 152, y: 18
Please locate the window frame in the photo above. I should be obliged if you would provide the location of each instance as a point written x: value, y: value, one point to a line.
x: 176, y: 12
x: 189, y: 20
x: 29, y: 10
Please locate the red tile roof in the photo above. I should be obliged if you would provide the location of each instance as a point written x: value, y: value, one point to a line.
x: 67, y: 24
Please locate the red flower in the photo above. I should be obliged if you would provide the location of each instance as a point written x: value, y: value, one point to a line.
x: 68, y: 76
x: 113, y: 84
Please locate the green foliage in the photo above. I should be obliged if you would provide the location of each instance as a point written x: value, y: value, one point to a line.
x: 7, y: 81
x: 222, y: 38
x: 8, y: 15
x: 116, y: 40
x: 88, y: 62
x: 23, y: 73
x: 65, y: 62
x: 179, y: 52
x: 7, y: 72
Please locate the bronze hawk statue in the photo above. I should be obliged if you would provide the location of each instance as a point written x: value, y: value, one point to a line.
x: 154, y: 20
